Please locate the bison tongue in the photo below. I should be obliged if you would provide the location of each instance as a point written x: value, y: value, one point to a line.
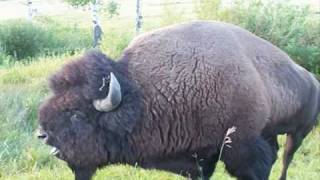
x: 54, y: 151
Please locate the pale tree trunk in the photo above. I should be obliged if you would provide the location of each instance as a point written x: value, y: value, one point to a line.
x: 97, y: 31
x: 30, y: 10
x: 138, y: 17
x: 94, y: 10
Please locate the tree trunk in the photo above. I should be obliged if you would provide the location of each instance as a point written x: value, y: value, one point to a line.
x: 138, y: 16
x: 30, y: 10
x: 97, y: 30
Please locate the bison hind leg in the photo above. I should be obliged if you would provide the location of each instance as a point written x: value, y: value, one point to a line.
x: 208, y: 166
x: 250, y: 159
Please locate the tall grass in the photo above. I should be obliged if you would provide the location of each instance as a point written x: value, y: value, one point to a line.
x: 18, y: 120
x: 32, y: 72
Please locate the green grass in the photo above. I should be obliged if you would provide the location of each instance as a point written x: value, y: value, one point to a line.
x: 30, y: 74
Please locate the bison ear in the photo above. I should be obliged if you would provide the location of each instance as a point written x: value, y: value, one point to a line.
x: 113, y: 98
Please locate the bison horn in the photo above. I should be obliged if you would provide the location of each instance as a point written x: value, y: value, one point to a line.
x: 113, y: 98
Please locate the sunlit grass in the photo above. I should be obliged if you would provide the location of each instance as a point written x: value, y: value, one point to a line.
x: 32, y: 72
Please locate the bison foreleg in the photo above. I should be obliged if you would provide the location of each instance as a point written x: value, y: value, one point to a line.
x: 273, y: 142
x: 249, y: 159
x: 83, y: 173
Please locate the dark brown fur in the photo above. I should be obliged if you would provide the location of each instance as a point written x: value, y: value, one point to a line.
x: 182, y: 88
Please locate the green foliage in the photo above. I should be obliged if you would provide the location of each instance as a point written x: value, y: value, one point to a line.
x: 112, y: 8
x: 30, y: 73
x: 21, y: 39
x: 22, y: 89
x: 4, y: 58
x: 294, y: 29
x: 68, y: 39
x: 208, y: 9
x: 171, y: 14
x: 78, y: 2
x: 116, y: 40
x: 18, y: 120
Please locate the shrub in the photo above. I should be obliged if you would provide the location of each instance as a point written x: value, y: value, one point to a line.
x: 68, y: 39
x: 4, y: 58
x: 112, y: 8
x: 293, y: 28
x: 78, y: 2
x: 22, y: 39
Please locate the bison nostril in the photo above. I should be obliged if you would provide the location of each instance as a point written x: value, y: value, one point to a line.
x: 42, y: 136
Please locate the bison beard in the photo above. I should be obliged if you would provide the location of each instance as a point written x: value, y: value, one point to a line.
x: 172, y: 95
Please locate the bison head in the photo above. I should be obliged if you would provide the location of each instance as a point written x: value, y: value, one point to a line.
x: 80, y: 120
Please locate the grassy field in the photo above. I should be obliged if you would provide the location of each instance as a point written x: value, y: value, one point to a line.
x: 23, y: 86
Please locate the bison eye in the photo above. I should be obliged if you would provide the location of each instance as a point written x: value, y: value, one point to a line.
x: 77, y: 116
x: 74, y: 118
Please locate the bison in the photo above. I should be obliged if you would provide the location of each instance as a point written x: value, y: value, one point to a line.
x: 168, y: 101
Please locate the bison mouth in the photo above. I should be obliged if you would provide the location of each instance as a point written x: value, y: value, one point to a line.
x: 55, y: 151
x: 44, y: 136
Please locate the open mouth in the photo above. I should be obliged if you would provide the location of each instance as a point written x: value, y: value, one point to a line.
x: 44, y: 136
x: 54, y: 151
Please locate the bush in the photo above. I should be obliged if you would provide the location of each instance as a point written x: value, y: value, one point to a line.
x: 4, y: 58
x: 78, y: 2
x: 112, y: 8
x: 68, y: 39
x: 22, y: 39
x: 294, y: 29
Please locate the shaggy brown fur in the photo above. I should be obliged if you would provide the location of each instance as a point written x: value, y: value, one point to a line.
x: 182, y: 87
